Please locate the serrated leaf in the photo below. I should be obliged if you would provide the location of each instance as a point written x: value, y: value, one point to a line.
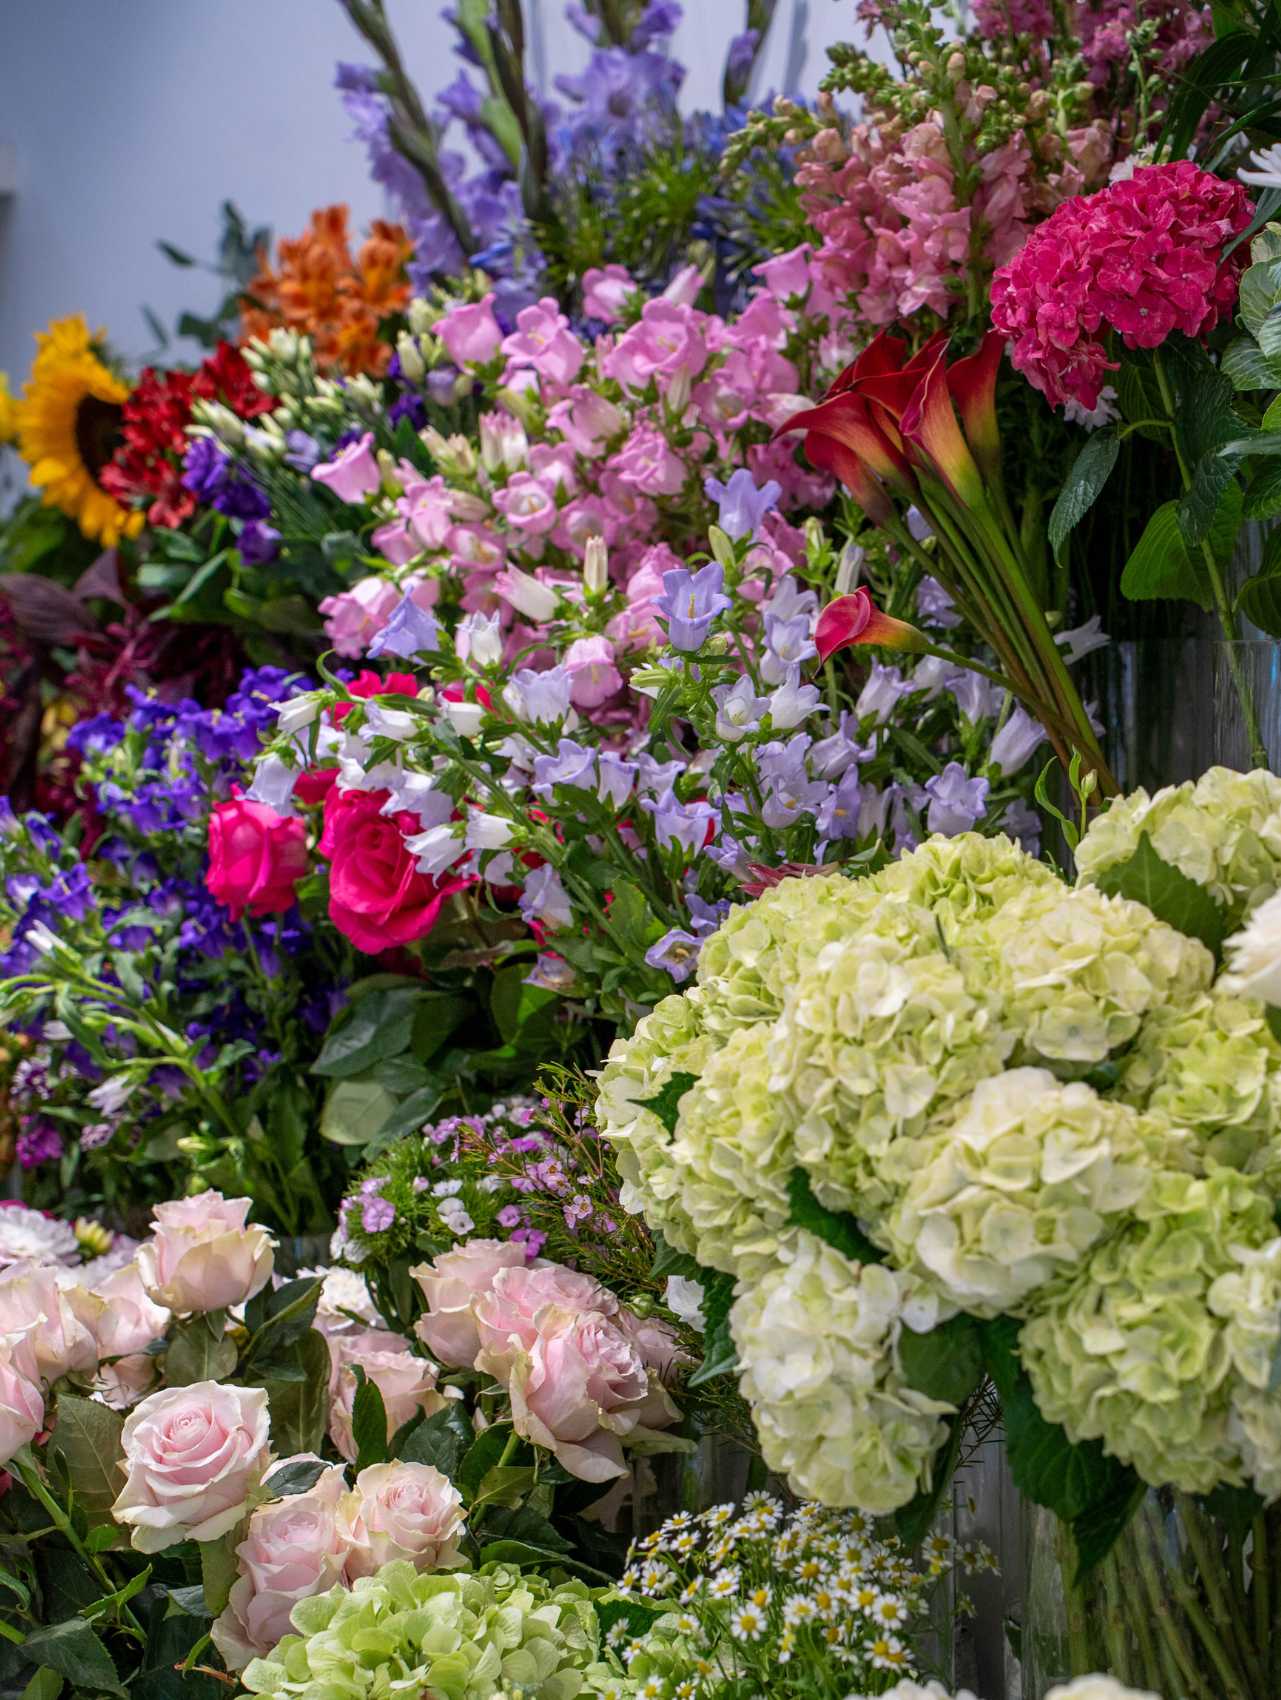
x: 296, y: 1477
x: 1090, y: 472
x: 666, y: 1101
x: 369, y: 1424
x: 88, y: 1437
x: 1259, y: 598
x: 1263, y: 493
x: 75, y: 1652
x: 669, y: 1261
x: 1160, y: 567
x: 835, y: 1227
x: 1247, y: 367
x: 1207, y: 497
x: 1180, y: 902
x: 441, y: 1440
x: 720, y: 1354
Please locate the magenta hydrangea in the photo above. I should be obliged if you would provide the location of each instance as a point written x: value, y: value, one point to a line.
x: 1143, y: 257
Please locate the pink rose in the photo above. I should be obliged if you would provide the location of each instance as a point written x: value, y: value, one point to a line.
x: 128, y: 1323
x: 578, y: 1386
x: 204, y: 1255
x: 507, y: 1317
x: 354, y: 618
x: 407, y: 1383
x: 353, y: 472
x: 54, y: 1315
x: 194, y: 1457
x: 451, y: 1285
x: 406, y: 1511
x: 470, y: 332
x: 21, y: 1401
x: 606, y: 292
x: 256, y: 858
x: 593, y: 675
x: 294, y: 1547
x: 377, y: 897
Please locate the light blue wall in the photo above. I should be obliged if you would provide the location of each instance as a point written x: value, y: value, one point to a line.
x: 134, y: 119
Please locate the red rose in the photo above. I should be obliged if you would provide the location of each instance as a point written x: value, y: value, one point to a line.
x: 256, y: 857
x: 377, y: 897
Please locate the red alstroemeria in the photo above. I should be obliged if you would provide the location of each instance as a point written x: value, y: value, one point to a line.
x: 856, y: 619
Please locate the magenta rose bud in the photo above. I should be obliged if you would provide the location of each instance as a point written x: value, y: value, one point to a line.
x: 203, y: 1255
x: 408, y: 1511
x: 194, y: 1457
x: 451, y: 1286
x: 256, y: 858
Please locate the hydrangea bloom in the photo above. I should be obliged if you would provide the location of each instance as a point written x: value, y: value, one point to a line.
x: 1141, y: 257
x: 468, y: 1635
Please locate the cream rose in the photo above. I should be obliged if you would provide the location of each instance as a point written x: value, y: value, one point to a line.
x: 203, y: 1255
x: 407, y: 1383
x: 406, y: 1511
x: 194, y: 1457
x: 451, y: 1286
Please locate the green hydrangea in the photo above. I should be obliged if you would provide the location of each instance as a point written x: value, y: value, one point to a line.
x: 670, y: 1040
x: 1021, y: 1183
x: 1248, y: 1301
x: 1223, y: 831
x: 963, y: 879
x: 816, y: 1338
x: 874, y: 1040
x: 461, y: 1635
x: 1130, y: 1351
x: 1075, y: 972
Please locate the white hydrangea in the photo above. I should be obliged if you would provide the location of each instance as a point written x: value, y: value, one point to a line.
x: 962, y: 879
x: 1253, y: 955
x: 816, y: 1338
x: 1248, y: 1299
x: 1098, y: 1688
x: 1223, y: 831
x: 1021, y: 1183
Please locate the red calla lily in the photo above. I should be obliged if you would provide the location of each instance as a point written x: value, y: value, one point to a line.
x: 855, y: 619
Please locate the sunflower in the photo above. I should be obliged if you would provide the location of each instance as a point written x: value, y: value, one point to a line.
x: 8, y: 413
x: 68, y: 423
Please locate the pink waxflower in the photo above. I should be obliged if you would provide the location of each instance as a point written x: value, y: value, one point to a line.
x: 354, y: 618
x: 353, y: 472
x: 606, y: 292
x: 666, y: 343
x: 470, y: 333
x: 1143, y: 257
x: 593, y: 677
x: 544, y: 342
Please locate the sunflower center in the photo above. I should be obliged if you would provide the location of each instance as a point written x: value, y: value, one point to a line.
x: 97, y: 432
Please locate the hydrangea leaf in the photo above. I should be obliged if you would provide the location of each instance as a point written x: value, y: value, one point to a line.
x: 1090, y: 472
x: 944, y: 1363
x: 1172, y: 897
x: 835, y: 1227
x: 666, y: 1101
x: 720, y: 1355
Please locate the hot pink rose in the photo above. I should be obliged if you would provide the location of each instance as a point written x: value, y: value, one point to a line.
x: 470, y: 333
x: 606, y: 292
x: 256, y: 858
x: 194, y: 1456
x: 377, y: 897
x: 576, y: 1389
x: 406, y: 1511
x: 354, y: 618
x: 507, y: 1317
x: 204, y: 1255
x: 451, y: 1285
x: 21, y: 1401
x: 294, y: 1547
x: 407, y: 1383
x: 593, y: 675
x: 353, y: 472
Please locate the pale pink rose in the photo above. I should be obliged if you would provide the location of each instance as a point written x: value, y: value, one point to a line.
x: 655, y: 1340
x: 293, y: 1548
x: 592, y: 673
x: 354, y: 618
x: 576, y: 1389
x: 406, y: 1511
x: 407, y: 1383
x: 194, y: 1456
x: 21, y: 1401
x: 204, y: 1255
x: 121, y: 1383
x: 130, y: 1318
x: 507, y: 1317
x: 54, y: 1314
x: 606, y: 292
x: 451, y: 1285
x: 353, y: 472
x: 470, y: 333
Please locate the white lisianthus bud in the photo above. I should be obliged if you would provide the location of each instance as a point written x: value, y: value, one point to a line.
x: 1253, y: 955
x: 412, y: 364
x: 596, y: 566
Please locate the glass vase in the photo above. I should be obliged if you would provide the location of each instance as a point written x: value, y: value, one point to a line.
x: 1187, y: 1604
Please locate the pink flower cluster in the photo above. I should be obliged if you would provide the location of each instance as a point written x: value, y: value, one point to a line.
x: 609, y: 442
x: 328, y: 1536
x: 584, y: 1374
x: 895, y: 236
x: 1142, y: 257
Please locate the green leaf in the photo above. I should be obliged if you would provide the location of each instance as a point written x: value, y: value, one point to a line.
x: 368, y: 1423
x: 521, y: 1011
x: 1095, y: 1530
x: 480, y: 1457
x: 1259, y: 598
x: 356, y: 1111
x: 669, y: 1261
x: 286, y: 1316
x: 666, y: 1101
x: 218, y: 1570
x: 946, y: 1362
x: 639, y: 1616
x: 1260, y: 296
x: 175, y: 256
x: 1200, y: 506
x: 836, y: 1227
x: 522, y: 1523
x: 407, y: 1117
x: 441, y: 1440
x: 296, y: 1477
x: 1245, y: 363
x: 505, y: 1484
x: 75, y: 1652
x: 720, y: 1354
x: 297, y: 1386
x: 46, y: 1684
x: 195, y: 1353
x: 1090, y: 472
x: 370, y: 1029
x: 1171, y: 896
x: 1159, y: 566
x: 88, y: 1437
x: 1263, y: 493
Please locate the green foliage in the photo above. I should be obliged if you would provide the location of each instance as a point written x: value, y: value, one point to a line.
x: 1090, y: 472
x: 1171, y: 896
x: 837, y: 1228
